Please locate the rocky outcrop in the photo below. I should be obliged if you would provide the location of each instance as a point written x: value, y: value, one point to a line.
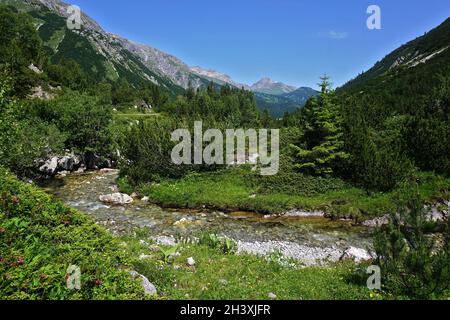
x: 69, y: 163
x: 58, y: 164
x: 40, y: 93
x: 438, y: 212
x: 377, y: 222
x: 94, y: 161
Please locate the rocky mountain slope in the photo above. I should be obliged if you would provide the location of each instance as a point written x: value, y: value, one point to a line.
x: 106, y: 56
x: 217, y: 77
x: 430, y: 48
x: 103, y: 55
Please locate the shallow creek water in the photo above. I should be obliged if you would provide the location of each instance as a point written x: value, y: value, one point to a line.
x: 309, y: 240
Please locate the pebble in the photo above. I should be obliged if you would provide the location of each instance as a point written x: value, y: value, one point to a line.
x: 272, y: 296
x: 190, y: 261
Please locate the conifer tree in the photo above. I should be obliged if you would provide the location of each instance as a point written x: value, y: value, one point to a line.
x: 321, y: 147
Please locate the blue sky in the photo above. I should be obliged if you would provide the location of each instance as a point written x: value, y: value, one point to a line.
x: 293, y: 41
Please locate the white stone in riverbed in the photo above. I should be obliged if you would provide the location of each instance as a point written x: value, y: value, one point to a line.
x: 307, y: 255
x: 356, y: 254
x: 116, y: 198
x: 302, y: 214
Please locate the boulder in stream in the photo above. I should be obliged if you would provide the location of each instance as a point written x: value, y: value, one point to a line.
x: 116, y: 198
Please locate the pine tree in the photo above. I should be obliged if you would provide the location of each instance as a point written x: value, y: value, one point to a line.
x: 414, y: 262
x: 321, y: 147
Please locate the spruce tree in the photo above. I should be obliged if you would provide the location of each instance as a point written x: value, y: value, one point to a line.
x: 321, y: 147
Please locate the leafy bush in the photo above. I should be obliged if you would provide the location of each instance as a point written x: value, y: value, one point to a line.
x: 147, y: 148
x: 23, y: 138
x: 213, y: 241
x: 81, y: 117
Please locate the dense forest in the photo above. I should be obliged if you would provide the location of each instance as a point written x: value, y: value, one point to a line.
x: 385, y: 133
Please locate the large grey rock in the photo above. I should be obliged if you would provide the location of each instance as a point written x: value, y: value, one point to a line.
x: 116, y: 198
x: 50, y: 167
x: 69, y: 163
x: 306, y: 255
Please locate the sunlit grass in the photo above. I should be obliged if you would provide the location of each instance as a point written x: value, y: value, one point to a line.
x: 236, y: 190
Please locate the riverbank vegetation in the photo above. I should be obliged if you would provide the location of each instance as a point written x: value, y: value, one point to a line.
x: 40, y: 238
x: 240, y: 189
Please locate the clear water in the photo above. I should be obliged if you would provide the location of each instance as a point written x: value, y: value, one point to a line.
x: 82, y: 191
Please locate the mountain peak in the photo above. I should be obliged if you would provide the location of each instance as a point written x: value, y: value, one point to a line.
x: 268, y: 86
x: 264, y: 82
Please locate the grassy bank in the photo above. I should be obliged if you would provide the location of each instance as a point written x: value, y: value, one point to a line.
x: 241, y: 189
x: 40, y: 238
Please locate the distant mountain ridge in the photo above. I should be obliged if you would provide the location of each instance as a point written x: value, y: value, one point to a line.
x: 268, y: 86
x: 106, y: 56
x: 301, y: 95
x: 277, y: 97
